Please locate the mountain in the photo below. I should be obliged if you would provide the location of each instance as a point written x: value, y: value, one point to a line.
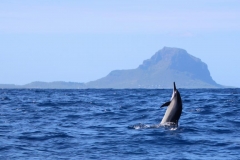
x: 8, y: 86
x: 160, y: 71
x: 55, y: 85
x: 46, y: 85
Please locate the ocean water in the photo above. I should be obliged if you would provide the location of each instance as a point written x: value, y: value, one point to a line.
x: 118, y: 124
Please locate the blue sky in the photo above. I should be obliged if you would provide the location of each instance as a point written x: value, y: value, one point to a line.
x: 81, y: 41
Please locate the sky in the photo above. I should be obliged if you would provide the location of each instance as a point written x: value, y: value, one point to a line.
x: 82, y: 41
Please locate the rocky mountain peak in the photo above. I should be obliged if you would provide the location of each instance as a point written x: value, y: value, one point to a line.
x: 167, y: 54
x: 164, y: 67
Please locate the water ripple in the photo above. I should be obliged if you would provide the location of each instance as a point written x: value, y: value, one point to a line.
x: 118, y: 124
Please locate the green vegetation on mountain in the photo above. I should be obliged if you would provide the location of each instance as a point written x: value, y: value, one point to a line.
x: 160, y: 71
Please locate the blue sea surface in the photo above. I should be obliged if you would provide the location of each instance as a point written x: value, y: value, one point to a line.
x: 118, y: 124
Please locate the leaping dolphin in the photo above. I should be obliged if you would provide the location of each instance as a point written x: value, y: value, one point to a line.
x: 174, y: 109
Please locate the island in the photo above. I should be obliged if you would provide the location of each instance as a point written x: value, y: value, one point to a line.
x: 166, y: 66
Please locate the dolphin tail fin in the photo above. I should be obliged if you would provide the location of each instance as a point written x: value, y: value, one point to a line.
x: 174, y: 86
x: 165, y: 104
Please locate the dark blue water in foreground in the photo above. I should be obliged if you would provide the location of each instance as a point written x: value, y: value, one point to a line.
x: 118, y: 124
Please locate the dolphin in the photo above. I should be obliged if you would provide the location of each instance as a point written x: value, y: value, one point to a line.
x: 174, y: 109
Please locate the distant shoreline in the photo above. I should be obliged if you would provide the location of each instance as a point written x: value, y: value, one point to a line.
x: 53, y: 85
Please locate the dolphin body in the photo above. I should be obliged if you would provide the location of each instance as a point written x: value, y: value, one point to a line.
x: 174, y: 109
